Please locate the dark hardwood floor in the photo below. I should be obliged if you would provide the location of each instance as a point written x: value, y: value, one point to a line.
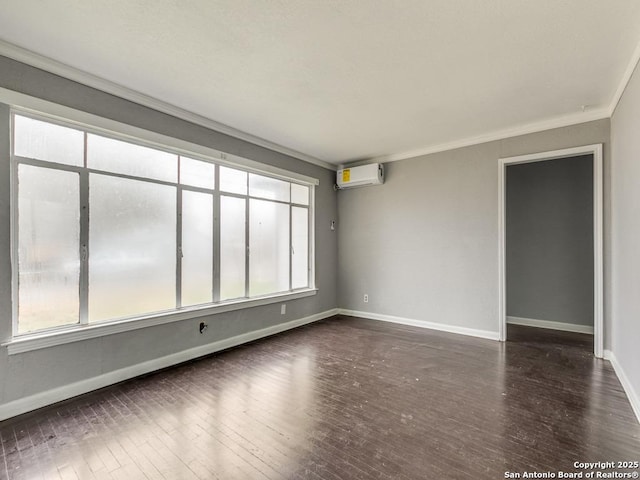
x: 342, y: 399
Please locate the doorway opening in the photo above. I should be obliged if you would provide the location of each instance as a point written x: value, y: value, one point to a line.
x: 581, y: 284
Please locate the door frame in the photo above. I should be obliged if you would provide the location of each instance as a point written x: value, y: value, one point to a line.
x: 598, y: 255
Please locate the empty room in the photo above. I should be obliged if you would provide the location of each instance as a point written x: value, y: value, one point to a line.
x: 319, y: 240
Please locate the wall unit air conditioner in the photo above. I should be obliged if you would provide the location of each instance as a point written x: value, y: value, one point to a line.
x: 372, y: 174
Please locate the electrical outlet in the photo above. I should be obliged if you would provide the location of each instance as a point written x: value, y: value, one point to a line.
x: 283, y: 309
x: 366, y: 298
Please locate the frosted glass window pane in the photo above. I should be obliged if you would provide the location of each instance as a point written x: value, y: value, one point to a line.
x: 299, y: 194
x: 269, y: 188
x: 299, y: 247
x: 46, y: 141
x: 232, y: 247
x: 268, y: 247
x: 233, y: 181
x: 197, y: 248
x: 48, y: 248
x: 132, y: 249
x: 197, y: 173
x: 121, y: 157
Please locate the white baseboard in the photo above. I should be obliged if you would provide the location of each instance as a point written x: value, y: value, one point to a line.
x: 42, y: 399
x: 423, y: 324
x: 567, y: 327
x: 632, y: 395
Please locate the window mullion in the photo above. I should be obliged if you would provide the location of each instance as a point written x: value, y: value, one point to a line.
x: 179, y: 252
x: 216, y: 236
x: 84, y: 241
x: 247, y: 270
x: 14, y: 227
x: 311, y: 245
x: 272, y: 200
x: 291, y: 253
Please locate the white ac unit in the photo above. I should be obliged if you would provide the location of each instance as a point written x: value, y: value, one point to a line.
x: 372, y: 174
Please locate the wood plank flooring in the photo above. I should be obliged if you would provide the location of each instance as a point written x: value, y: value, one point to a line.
x: 341, y: 399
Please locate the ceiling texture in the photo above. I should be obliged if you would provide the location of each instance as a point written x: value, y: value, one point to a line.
x: 343, y: 80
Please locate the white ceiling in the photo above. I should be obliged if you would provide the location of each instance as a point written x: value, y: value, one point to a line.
x: 343, y: 80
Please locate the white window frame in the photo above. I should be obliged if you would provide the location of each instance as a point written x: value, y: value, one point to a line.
x: 58, y: 114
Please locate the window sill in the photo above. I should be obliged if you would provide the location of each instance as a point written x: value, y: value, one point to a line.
x: 36, y: 341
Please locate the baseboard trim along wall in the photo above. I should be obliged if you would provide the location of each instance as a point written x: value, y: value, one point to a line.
x: 632, y: 395
x: 423, y: 324
x: 42, y: 399
x: 567, y: 327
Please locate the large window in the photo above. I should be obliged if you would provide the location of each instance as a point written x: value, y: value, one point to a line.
x: 109, y: 229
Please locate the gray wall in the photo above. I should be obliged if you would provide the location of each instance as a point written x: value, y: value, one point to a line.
x: 37, y: 371
x: 424, y: 245
x: 549, y: 240
x: 625, y: 145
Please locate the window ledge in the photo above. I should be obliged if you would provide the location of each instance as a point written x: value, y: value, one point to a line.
x: 36, y: 341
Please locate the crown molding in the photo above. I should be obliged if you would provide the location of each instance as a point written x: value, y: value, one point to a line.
x: 44, y: 63
x: 624, y: 81
x: 558, y: 122
x: 58, y: 68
